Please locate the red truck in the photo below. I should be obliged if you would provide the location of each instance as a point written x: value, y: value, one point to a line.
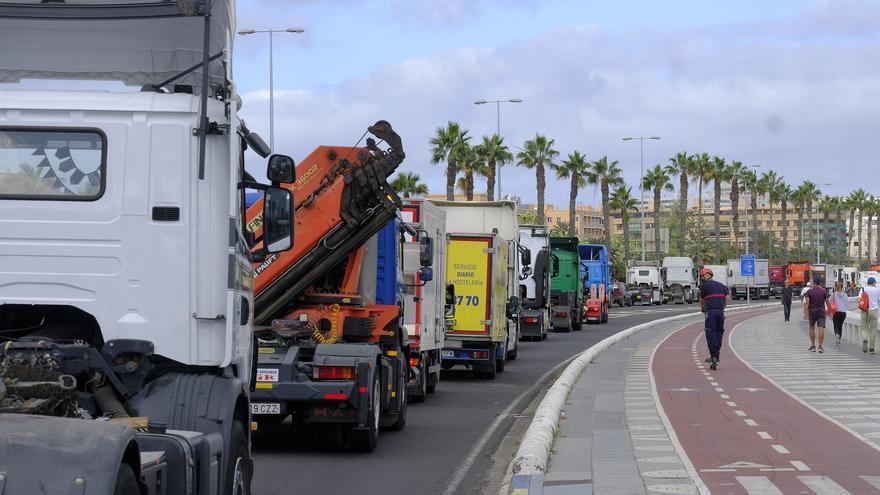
x: 777, y: 280
x: 798, y: 273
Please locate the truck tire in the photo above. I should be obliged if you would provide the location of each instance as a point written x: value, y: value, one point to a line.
x: 499, y: 365
x: 366, y: 440
x: 604, y: 317
x: 126, y: 482
x: 431, y: 386
x: 400, y: 423
x: 238, y: 476
x: 423, y: 382
x: 511, y: 355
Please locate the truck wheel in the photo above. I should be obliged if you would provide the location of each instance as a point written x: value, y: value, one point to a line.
x: 400, y: 423
x: 366, y: 440
x: 423, y: 383
x: 238, y: 476
x: 499, y: 365
x: 511, y: 355
x: 431, y: 386
x: 126, y: 483
x: 604, y: 317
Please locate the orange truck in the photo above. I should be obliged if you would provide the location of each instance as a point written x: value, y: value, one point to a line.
x: 799, y: 273
x: 327, y: 356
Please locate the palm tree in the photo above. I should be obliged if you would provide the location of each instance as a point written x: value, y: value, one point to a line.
x: 408, y: 184
x: 623, y: 202
x: 733, y: 172
x: 842, y: 239
x: 444, y: 147
x: 812, y: 194
x: 493, y: 152
x: 657, y: 180
x: 749, y: 181
x: 718, y: 170
x: 870, y: 208
x: 783, y: 195
x: 856, y: 201
x: 537, y: 154
x: 528, y: 218
x: 827, y: 206
x: 799, y: 198
x: 576, y: 168
x: 606, y: 175
x: 561, y: 229
x: 770, y: 184
x: 680, y: 165
x: 700, y: 175
x: 469, y: 163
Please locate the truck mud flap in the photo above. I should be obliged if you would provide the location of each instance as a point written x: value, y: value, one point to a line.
x: 363, y: 403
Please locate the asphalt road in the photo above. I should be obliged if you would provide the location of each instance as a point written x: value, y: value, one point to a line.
x: 440, y: 433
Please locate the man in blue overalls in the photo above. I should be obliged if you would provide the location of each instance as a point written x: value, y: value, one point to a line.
x: 713, y: 299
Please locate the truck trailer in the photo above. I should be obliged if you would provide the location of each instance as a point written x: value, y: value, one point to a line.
x: 483, y: 266
x: 646, y: 280
x: 126, y: 321
x: 566, y: 287
x: 719, y: 273
x: 798, y: 273
x: 757, y: 287
x: 534, y: 285
x: 596, y: 276
x: 777, y: 280
x: 681, y: 283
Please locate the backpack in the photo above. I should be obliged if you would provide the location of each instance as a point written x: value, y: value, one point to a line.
x: 864, y: 304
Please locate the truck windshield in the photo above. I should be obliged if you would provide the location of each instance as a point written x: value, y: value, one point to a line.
x: 57, y: 164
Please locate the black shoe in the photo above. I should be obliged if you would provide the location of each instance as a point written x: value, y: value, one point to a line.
x: 812, y: 348
x: 713, y: 364
x: 821, y: 349
x: 870, y: 351
x: 708, y: 360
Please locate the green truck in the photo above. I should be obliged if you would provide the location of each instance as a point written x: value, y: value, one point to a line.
x: 566, y: 293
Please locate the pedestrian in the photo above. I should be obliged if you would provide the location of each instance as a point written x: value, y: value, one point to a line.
x: 713, y: 299
x: 816, y: 302
x: 787, y: 291
x: 869, y: 315
x: 804, y: 300
x: 839, y: 303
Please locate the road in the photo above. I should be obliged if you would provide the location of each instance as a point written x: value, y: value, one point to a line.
x: 441, y: 432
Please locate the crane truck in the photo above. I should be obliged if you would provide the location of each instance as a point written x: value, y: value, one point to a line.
x: 125, y: 280
x: 534, y: 285
x: 329, y: 357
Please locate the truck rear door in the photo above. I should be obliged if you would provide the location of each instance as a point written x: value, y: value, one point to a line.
x: 469, y: 269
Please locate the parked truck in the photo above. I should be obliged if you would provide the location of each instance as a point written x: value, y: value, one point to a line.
x: 566, y: 287
x: 331, y: 358
x: 646, y: 279
x: 743, y: 287
x: 719, y: 273
x: 819, y: 273
x: 126, y: 316
x: 424, y: 303
x: 596, y: 274
x: 681, y: 283
x: 484, y: 266
x: 777, y: 280
x: 798, y: 274
x: 534, y: 285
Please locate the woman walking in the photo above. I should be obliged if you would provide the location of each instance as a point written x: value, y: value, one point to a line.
x: 839, y: 302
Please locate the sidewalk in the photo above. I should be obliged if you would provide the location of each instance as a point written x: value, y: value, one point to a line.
x: 772, y: 419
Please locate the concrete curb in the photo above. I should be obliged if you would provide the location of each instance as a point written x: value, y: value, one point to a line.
x: 530, y: 462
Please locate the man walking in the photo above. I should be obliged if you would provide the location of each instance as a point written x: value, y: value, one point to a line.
x: 713, y: 299
x: 869, y: 316
x: 786, y: 300
x: 817, y: 302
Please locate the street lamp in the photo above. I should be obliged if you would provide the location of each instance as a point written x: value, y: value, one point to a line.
x: 748, y: 279
x: 816, y: 236
x: 245, y: 32
x: 498, y: 130
x: 641, y: 184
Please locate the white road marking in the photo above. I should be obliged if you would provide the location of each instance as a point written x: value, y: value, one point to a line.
x: 751, y: 422
x: 800, y: 466
x: 725, y: 396
x: 765, y: 435
x: 739, y: 413
x: 872, y: 480
x: 731, y: 403
x: 822, y: 485
x: 714, y: 384
x: 780, y: 449
x: 758, y: 485
x: 719, y: 389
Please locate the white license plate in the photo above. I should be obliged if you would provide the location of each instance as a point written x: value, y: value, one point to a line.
x: 448, y: 354
x: 266, y: 408
x: 267, y: 374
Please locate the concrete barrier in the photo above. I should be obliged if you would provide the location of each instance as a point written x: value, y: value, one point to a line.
x: 530, y: 462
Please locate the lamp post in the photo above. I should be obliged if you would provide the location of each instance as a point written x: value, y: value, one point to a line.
x: 748, y: 285
x: 641, y: 184
x: 816, y: 235
x: 245, y: 32
x: 498, y: 130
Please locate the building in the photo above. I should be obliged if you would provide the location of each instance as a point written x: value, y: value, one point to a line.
x: 587, y: 220
x: 478, y: 196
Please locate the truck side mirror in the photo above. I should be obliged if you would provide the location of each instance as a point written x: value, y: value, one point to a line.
x: 281, y: 169
x: 554, y: 267
x: 449, y: 307
x: 277, y: 219
x: 525, y: 257
x: 426, y: 251
x: 426, y: 274
x: 256, y: 143
x: 513, y: 307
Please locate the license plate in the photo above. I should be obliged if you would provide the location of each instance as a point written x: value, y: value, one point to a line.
x: 266, y: 408
x: 267, y: 374
x: 447, y: 354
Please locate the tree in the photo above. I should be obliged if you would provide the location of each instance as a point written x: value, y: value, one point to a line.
x: 408, y: 184
x: 494, y: 153
x: 734, y: 170
x: 718, y: 171
x: 827, y: 206
x: 445, y: 147
x: 749, y: 182
x: 842, y: 237
x: 799, y: 197
x: 812, y: 194
x: 561, y: 229
x: 469, y: 164
x: 870, y: 210
x: 537, y: 154
x: 606, y: 175
x: 700, y: 175
x: 783, y: 194
x: 528, y: 218
x: 770, y: 183
x: 856, y: 201
x: 623, y: 202
x: 576, y: 168
x: 680, y: 165
x: 657, y: 180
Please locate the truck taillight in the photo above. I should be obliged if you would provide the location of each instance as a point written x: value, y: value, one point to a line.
x: 413, y: 361
x: 334, y: 373
x: 531, y: 319
x: 479, y: 354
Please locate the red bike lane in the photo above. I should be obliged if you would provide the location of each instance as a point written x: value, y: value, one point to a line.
x: 744, y: 435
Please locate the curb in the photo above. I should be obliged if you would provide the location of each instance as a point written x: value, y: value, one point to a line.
x: 530, y: 462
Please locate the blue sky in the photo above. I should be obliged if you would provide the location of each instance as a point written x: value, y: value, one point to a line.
x: 792, y: 85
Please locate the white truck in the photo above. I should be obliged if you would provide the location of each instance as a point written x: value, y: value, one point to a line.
x: 719, y: 273
x: 483, y: 266
x: 126, y: 275
x: 534, y: 284
x: 646, y: 279
x: 681, y: 284
x: 424, y: 313
x: 758, y: 287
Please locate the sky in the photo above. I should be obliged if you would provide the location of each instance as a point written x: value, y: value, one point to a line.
x: 793, y: 86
